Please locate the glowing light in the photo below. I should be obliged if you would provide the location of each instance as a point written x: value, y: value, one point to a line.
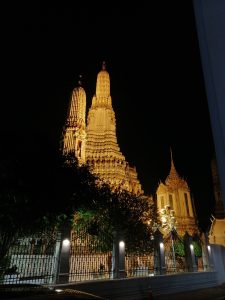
x: 161, y: 245
x: 209, y: 248
x: 191, y: 247
x: 121, y: 244
x: 66, y: 243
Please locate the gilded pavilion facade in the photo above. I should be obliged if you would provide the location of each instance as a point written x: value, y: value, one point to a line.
x: 175, y: 204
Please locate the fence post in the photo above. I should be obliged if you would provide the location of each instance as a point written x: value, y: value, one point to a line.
x: 159, y: 254
x: 189, y: 253
x: 122, y: 273
x: 57, y: 258
x: 210, y: 257
x: 118, y: 256
x: 64, y: 255
x: 205, y: 253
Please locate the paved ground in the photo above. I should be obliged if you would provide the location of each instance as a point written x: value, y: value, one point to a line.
x: 213, y: 293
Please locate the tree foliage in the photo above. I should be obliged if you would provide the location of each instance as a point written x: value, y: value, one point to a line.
x: 122, y: 212
x: 179, y: 248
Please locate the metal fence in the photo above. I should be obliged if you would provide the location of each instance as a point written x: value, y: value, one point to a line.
x: 90, y: 257
x: 32, y: 259
x: 139, y: 264
x: 35, y: 259
x: 175, y: 261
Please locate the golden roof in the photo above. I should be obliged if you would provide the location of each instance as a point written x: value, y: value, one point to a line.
x: 173, y: 180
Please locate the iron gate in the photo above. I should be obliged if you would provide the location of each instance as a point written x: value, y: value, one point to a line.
x: 90, y: 256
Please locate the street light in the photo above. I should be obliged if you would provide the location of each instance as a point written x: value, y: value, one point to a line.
x: 66, y: 242
x: 121, y: 244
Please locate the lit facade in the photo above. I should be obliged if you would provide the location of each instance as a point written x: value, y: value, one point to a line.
x: 74, y: 136
x: 96, y: 144
x: 174, y: 204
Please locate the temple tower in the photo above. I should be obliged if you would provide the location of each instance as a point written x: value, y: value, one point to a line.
x: 97, y: 144
x: 102, y: 150
x: 75, y: 129
x: 174, y: 197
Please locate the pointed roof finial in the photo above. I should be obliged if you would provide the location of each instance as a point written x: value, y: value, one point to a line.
x: 173, y: 179
x: 172, y: 163
x: 80, y: 80
x: 171, y: 154
x: 103, y: 65
x: 173, y: 173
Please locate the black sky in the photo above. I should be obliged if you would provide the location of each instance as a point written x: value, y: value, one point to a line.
x: 157, y: 86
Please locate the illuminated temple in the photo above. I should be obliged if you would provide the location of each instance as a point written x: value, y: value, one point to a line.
x: 95, y: 143
x: 175, y: 204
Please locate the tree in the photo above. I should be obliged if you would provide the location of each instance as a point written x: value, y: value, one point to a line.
x: 119, y: 211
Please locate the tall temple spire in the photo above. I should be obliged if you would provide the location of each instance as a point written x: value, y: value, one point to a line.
x: 97, y: 144
x: 102, y: 150
x: 75, y: 134
x: 77, y: 110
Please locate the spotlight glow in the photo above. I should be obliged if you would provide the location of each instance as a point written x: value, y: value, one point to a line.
x: 66, y: 243
x: 121, y: 244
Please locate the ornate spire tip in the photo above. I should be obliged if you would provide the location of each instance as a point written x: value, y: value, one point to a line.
x: 103, y: 65
x: 80, y: 80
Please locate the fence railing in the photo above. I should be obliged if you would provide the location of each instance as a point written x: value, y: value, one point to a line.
x: 32, y: 259
x: 38, y: 258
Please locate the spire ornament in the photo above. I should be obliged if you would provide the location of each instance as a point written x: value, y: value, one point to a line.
x: 80, y: 80
x: 103, y: 66
x: 173, y: 172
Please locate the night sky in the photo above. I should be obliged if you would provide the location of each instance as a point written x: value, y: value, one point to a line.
x: 157, y: 85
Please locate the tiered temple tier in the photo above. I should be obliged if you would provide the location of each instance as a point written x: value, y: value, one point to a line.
x: 102, y: 145
x: 109, y: 169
